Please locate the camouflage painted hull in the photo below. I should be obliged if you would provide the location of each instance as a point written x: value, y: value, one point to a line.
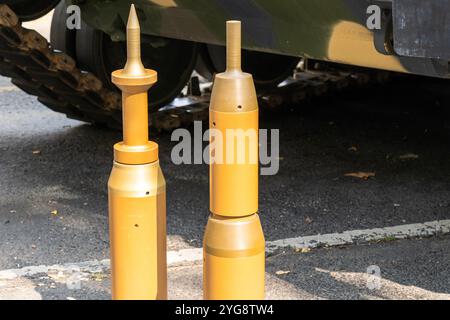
x: 332, y: 30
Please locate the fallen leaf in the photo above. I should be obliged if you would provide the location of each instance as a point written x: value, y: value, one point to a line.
x: 409, y: 156
x: 361, y: 175
x: 99, y: 276
x: 282, y: 272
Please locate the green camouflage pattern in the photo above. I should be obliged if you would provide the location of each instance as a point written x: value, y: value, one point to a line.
x: 308, y: 28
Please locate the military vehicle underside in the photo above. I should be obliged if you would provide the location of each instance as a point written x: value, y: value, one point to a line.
x: 72, y: 73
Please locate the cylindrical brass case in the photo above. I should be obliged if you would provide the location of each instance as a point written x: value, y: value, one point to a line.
x: 234, y: 259
x: 234, y: 184
x: 234, y: 112
x: 137, y: 213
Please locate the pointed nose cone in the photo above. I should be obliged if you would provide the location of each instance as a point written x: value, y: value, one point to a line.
x: 134, y: 66
x: 133, y: 21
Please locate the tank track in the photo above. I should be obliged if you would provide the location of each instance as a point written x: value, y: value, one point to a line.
x: 53, y: 77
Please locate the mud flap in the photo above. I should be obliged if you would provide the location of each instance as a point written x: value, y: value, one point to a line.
x: 422, y: 28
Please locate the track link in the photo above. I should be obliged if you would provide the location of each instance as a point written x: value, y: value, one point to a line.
x: 54, y: 78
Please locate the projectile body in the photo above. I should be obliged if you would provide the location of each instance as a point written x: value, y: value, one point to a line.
x: 136, y: 188
x: 234, y: 245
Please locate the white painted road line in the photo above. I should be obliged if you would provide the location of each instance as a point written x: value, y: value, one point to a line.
x: 87, y: 267
x: 8, y: 88
x: 181, y: 257
x: 426, y: 229
x: 195, y: 256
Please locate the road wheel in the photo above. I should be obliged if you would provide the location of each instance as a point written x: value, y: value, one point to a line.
x: 61, y: 37
x: 268, y: 69
x: 174, y: 60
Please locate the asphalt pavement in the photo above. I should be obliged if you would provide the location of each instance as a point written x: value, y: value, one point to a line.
x: 53, y: 195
